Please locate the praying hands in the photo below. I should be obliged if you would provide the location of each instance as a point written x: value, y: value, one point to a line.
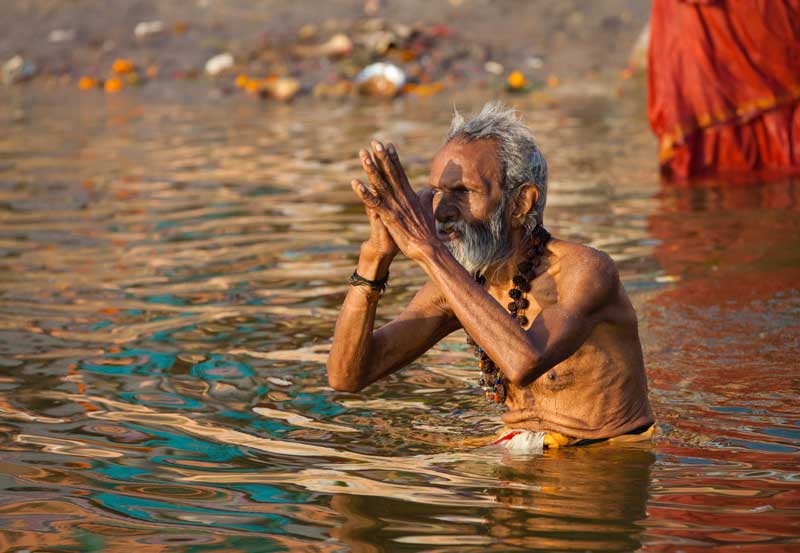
x: 406, y: 216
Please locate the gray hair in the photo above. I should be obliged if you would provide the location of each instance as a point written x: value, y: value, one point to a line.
x: 520, y: 158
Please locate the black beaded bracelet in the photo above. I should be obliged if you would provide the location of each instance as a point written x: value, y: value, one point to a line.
x: 378, y: 285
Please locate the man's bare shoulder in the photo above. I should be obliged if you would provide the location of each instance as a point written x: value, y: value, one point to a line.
x: 586, y: 276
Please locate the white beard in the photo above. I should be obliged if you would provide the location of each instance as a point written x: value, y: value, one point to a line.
x: 479, y: 245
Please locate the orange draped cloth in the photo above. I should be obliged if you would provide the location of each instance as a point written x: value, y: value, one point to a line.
x: 724, y: 86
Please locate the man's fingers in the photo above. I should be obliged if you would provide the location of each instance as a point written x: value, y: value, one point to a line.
x: 389, y: 164
x: 376, y: 180
x: 370, y: 200
x: 397, y: 169
x: 381, y: 158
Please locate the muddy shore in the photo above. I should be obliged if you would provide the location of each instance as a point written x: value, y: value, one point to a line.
x: 440, y: 45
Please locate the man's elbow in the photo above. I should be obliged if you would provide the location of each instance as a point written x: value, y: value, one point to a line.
x: 519, y: 378
x: 524, y: 370
x: 345, y: 386
x: 341, y: 383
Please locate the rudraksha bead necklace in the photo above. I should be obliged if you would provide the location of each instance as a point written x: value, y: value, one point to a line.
x: 492, y: 380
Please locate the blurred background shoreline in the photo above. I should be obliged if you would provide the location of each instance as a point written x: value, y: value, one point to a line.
x: 322, y: 48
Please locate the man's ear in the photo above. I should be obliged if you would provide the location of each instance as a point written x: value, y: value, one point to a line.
x: 524, y: 200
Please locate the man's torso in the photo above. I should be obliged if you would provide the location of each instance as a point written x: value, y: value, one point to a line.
x: 600, y: 390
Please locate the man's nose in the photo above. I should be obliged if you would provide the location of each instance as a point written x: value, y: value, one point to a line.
x: 443, y: 210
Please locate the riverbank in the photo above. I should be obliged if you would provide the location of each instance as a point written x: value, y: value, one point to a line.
x: 274, y: 50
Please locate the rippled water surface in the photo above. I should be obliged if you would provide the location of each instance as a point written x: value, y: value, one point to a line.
x: 171, y: 271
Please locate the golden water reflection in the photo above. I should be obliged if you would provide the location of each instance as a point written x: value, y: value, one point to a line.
x: 171, y: 274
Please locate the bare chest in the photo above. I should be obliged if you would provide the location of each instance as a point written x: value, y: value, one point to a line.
x: 543, y: 293
x: 605, y: 375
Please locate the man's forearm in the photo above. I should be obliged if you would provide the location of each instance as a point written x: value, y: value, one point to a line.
x: 481, y: 316
x: 373, y: 265
x: 351, y: 350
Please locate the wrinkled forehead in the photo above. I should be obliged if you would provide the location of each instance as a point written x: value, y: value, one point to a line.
x: 460, y: 161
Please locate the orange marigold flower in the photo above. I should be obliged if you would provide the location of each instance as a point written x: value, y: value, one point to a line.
x: 113, y: 84
x: 87, y: 83
x: 253, y: 86
x: 516, y: 81
x: 122, y: 66
x: 241, y: 81
x: 428, y: 89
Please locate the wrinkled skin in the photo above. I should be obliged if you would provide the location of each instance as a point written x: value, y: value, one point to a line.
x: 576, y: 369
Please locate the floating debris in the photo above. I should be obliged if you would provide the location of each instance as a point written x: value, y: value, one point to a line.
x: 219, y: 63
x: 253, y: 86
x: 516, y: 81
x: 370, y: 56
x: 61, y: 35
x: 180, y: 27
x: 534, y: 62
x: 17, y: 70
x: 88, y: 83
x: 424, y: 89
x: 338, y: 89
x: 147, y: 28
x: 379, y: 42
x: 381, y: 79
x: 114, y: 84
x: 121, y: 66
x: 493, y: 67
x: 307, y: 31
x: 283, y: 89
x: 133, y: 78
x: 338, y: 46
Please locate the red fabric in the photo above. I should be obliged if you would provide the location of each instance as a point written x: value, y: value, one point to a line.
x: 724, y: 85
x: 507, y: 436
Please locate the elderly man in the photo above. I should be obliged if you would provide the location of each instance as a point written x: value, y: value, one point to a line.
x: 554, y: 332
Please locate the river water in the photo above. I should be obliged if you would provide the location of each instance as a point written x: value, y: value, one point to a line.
x: 172, y: 264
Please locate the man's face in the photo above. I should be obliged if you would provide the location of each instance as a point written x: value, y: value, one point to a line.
x: 468, y: 202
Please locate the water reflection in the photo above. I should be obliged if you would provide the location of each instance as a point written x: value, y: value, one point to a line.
x: 591, y: 498
x: 716, y: 231
x: 170, y: 278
